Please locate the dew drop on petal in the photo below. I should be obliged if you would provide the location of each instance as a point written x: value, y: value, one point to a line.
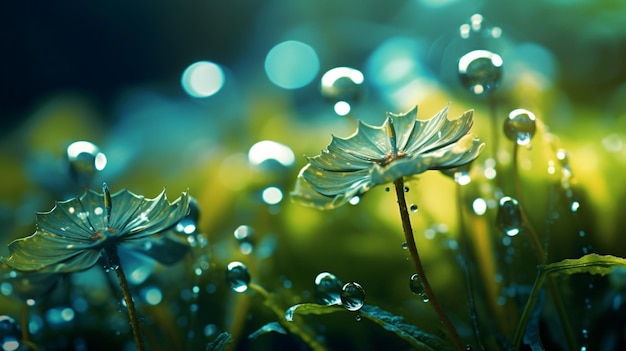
x: 480, y: 71
x: 509, y: 217
x: 520, y: 126
x: 327, y: 289
x: 237, y: 276
x: 352, y: 296
x: 415, y: 284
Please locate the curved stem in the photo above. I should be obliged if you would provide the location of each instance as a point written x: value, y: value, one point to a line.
x: 115, y: 263
x: 419, y: 269
x: 542, y: 256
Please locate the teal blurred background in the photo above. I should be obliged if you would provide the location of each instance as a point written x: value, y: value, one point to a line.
x: 121, y: 75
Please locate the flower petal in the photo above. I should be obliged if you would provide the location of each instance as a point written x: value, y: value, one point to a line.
x: 338, y: 161
x: 367, y: 143
x: 305, y: 195
x: 167, y: 248
x: 331, y: 183
x: 45, y: 250
x: 403, y: 125
x: 156, y: 215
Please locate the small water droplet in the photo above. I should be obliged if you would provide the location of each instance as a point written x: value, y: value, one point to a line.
x: 387, y: 189
x: 574, y: 206
x: 327, y: 289
x: 480, y: 71
x: 415, y: 284
x: 352, y: 296
x: 189, y: 224
x: 85, y: 160
x: 355, y: 200
x: 289, y: 313
x: 479, y: 206
x: 406, y: 189
x: 244, y: 235
x: 237, y: 276
x: 509, y: 217
x: 413, y: 208
x: 520, y: 126
x: 469, y: 348
x: 404, y: 245
x: 358, y: 317
x: 10, y: 334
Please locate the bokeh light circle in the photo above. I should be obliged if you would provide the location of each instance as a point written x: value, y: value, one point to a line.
x: 291, y: 64
x: 202, y: 79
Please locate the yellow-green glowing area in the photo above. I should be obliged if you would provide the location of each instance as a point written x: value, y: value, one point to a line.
x: 202, y: 79
x: 291, y: 64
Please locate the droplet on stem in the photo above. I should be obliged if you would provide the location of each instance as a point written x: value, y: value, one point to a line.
x: 415, y: 284
x: 480, y: 71
x: 237, y: 276
x: 520, y: 126
x: 509, y: 217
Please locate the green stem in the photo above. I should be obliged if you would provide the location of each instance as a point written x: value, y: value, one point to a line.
x: 293, y: 327
x: 115, y: 263
x: 542, y: 256
x: 419, y: 269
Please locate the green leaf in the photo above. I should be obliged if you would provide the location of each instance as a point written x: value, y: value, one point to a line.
x: 591, y: 263
x: 268, y: 328
x: 220, y: 342
x: 416, y: 337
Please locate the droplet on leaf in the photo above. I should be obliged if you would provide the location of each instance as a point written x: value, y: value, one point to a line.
x: 327, y: 289
x: 352, y: 296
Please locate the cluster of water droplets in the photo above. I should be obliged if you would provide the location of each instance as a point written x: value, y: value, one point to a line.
x: 329, y: 290
x: 244, y: 235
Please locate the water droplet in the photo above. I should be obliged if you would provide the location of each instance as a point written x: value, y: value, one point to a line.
x: 404, y: 245
x: 237, y: 276
x: 358, y: 317
x: 289, y: 313
x: 509, y: 217
x: 352, y: 296
x: 469, y: 348
x: 387, y: 189
x: 327, y: 289
x: 415, y: 284
x: 10, y: 334
x: 189, y: 224
x: 520, y: 126
x: 479, y: 206
x: 355, y: 200
x: 406, y: 189
x: 342, y: 84
x: 480, y: 71
x: 413, y: 208
x: 272, y: 195
x: 85, y: 160
x: 574, y: 206
x: 244, y: 235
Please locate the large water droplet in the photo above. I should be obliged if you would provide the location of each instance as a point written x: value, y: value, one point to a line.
x: 343, y: 86
x: 480, y: 71
x: 327, y: 289
x: 509, y: 217
x: 237, y: 276
x: 520, y: 126
x: 415, y: 284
x: 10, y: 334
x: 352, y: 296
x: 85, y: 160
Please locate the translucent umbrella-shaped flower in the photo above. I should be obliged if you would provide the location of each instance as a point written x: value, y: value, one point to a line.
x: 402, y: 146
x: 79, y: 232
x: 374, y: 155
